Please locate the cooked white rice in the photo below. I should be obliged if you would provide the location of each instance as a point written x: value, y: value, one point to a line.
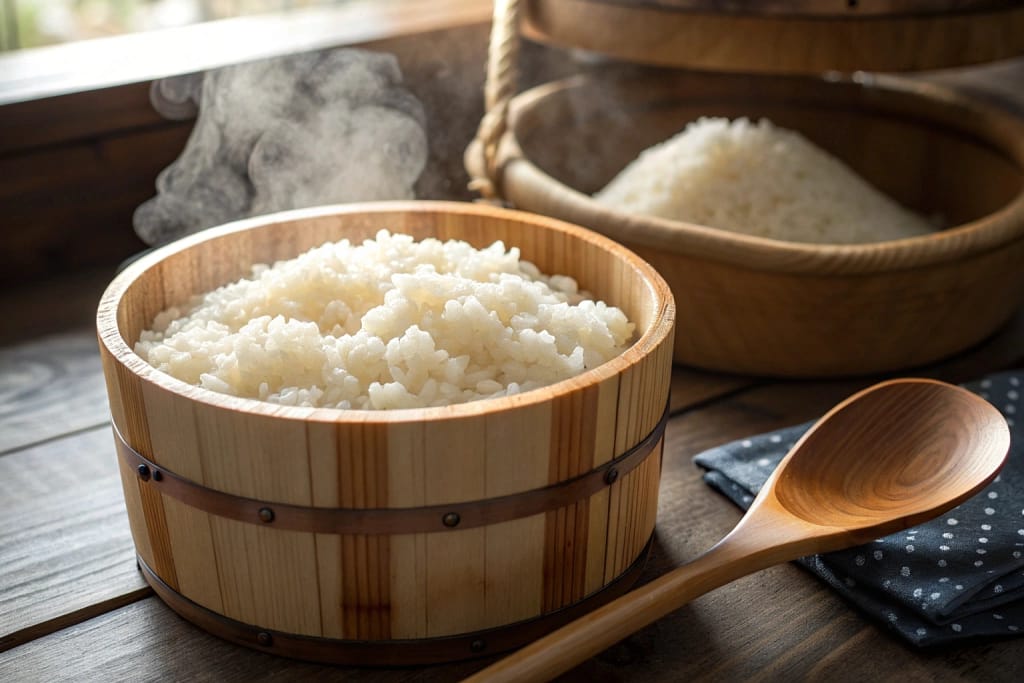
x: 390, y: 323
x: 758, y: 179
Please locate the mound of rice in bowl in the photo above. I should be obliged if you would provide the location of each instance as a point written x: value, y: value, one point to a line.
x: 756, y: 178
x: 389, y: 323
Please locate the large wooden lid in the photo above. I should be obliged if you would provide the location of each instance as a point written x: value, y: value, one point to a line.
x: 776, y: 36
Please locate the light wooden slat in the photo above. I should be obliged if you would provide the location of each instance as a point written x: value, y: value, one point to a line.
x: 597, y: 515
x: 50, y: 387
x: 322, y: 446
x: 456, y: 560
x: 189, y: 532
x: 406, y: 474
x: 143, y: 502
x: 264, y: 573
x: 566, y: 529
x: 66, y: 553
x: 514, y: 551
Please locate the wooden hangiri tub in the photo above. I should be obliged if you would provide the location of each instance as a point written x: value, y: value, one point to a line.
x: 389, y: 537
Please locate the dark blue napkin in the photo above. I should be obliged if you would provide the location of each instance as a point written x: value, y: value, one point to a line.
x: 958, y: 576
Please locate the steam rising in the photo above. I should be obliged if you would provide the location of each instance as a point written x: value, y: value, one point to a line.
x: 286, y: 133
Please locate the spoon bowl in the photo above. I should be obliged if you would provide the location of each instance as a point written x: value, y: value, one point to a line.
x: 889, y: 457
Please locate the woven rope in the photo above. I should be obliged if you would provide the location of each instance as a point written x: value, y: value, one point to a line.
x: 499, y: 88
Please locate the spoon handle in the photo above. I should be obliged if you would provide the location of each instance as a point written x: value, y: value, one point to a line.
x: 579, y: 640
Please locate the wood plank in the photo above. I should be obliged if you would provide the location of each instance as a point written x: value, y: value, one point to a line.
x: 70, y: 207
x: 50, y: 387
x: 60, y: 304
x: 159, y: 646
x: 514, y: 550
x: 692, y: 387
x: 65, y: 549
x: 778, y: 625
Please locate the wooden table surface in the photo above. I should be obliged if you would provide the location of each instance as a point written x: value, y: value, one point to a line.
x: 74, y: 607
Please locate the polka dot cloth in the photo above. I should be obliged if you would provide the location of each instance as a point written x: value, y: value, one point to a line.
x: 956, y: 577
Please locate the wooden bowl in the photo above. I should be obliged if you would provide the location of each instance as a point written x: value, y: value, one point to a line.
x: 785, y: 36
x: 389, y: 537
x: 768, y: 307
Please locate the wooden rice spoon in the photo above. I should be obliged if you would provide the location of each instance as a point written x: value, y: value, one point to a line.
x: 889, y: 457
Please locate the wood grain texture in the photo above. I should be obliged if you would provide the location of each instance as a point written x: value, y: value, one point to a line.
x: 471, y: 578
x: 778, y: 625
x: 689, y: 517
x: 711, y: 409
x: 93, y: 185
x: 63, y: 303
x: 65, y: 549
x: 768, y: 307
x: 50, y: 387
x: 784, y: 42
x: 885, y: 459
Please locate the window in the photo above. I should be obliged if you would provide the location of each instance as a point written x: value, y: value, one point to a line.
x: 35, y: 23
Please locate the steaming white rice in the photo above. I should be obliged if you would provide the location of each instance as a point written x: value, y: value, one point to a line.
x: 758, y: 179
x: 390, y: 323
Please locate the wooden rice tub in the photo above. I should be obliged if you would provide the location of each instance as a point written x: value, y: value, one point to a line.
x: 762, y: 306
x: 769, y: 307
x: 398, y: 537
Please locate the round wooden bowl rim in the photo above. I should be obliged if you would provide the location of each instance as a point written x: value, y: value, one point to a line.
x: 663, y: 319
x: 951, y: 244
x: 806, y: 36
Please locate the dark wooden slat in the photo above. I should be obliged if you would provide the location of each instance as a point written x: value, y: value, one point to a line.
x: 691, y: 387
x: 71, y: 207
x: 50, y: 387
x: 55, y: 305
x: 46, y: 123
x: 65, y: 548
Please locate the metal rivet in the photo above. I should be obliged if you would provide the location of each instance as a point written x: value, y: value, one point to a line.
x: 611, y: 476
x: 266, y: 515
x: 477, y: 646
x: 451, y: 519
x: 264, y: 639
x: 158, y: 475
x: 143, y: 472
